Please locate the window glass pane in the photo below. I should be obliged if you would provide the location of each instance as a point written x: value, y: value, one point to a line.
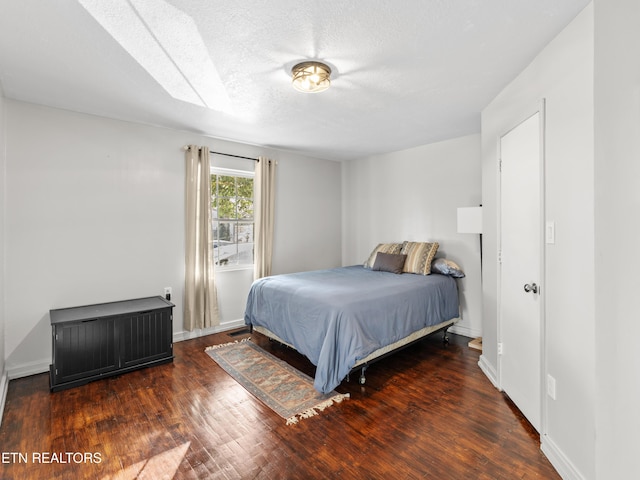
x: 232, y: 220
x: 245, y: 208
x: 226, y: 186
x: 225, y: 208
x: 223, y: 231
x: 225, y: 249
x: 245, y: 232
x: 245, y: 187
x: 245, y: 243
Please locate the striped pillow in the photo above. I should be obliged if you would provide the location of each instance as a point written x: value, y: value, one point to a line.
x: 419, y: 257
x: 393, y: 248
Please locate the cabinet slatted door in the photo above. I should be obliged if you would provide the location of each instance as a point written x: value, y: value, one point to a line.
x: 85, y: 348
x: 146, y: 336
x: 97, y: 341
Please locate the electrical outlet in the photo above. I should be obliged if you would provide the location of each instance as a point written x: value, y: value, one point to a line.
x: 167, y: 293
x: 551, y: 386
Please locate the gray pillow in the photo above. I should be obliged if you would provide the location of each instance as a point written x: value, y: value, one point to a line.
x: 384, y: 248
x: 446, y: 267
x: 389, y: 262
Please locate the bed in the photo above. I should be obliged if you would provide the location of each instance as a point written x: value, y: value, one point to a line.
x: 344, y: 318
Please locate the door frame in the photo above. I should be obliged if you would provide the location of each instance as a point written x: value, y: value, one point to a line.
x: 517, y: 119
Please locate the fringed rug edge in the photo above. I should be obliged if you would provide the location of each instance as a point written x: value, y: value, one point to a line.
x: 315, y: 410
x: 222, y: 345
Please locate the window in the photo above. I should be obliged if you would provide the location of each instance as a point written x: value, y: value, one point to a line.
x: 232, y: 218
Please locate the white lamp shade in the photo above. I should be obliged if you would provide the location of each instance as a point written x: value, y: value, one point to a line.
x: 470, y: 220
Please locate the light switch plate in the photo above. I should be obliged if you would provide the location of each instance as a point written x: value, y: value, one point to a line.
x: 551, y: 387
x: 550, y: 233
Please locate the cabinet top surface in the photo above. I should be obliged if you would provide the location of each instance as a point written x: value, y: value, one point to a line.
x: 87, y: 312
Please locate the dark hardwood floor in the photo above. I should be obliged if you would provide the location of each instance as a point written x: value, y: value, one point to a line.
x: 425, y: 412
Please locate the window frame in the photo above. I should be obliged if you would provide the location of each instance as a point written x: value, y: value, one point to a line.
x: 231, y: 172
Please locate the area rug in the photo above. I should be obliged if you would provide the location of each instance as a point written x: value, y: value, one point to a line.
x: 285, y: 390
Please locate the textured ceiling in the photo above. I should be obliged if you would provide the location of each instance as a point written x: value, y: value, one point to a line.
x: 406, y: 73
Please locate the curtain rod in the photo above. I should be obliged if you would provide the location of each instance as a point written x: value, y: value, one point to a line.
x: 228, y: 155
x: 235, y: 156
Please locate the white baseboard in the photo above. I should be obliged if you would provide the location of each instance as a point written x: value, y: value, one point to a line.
x: 489, y: 371
x: 19, y: 371
x: 223, y: 327
x: 466, y: 331
x: 559, y: 460
x: 27, y: 369
x: 4, y: 389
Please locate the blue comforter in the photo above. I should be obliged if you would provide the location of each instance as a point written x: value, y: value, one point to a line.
x: 339, y: 316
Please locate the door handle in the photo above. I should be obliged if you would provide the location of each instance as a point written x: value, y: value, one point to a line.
x: 531, y: 288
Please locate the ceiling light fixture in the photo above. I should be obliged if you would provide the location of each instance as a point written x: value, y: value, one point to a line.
x: 311, y: 77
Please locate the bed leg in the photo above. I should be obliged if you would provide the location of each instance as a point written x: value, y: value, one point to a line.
x: 445, y: 337
x: 362, y: 378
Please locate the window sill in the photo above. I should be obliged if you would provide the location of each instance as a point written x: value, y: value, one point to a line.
x: 232, y: 269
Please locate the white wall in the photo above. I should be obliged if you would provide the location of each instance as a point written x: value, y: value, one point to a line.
x: 563, y: 75
x: 3, y: 376
x: 94, y: 213
x: 414, y: 195
x: 617, y: 257
x: 308, y: 214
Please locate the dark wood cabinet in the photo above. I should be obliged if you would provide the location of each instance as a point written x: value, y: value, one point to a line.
x: 96, y: 341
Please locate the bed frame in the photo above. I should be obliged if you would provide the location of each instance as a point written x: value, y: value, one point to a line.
x: 380, y: 353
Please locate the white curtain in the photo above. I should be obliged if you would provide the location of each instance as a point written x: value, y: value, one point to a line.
x: 264, y: 203
x: 200, y: 302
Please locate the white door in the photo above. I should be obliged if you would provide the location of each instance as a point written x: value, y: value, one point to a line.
x: 521, y: 265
